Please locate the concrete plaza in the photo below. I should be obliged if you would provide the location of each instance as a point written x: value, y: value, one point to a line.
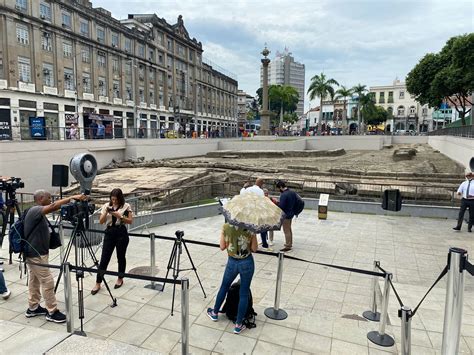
x: 324, y: 305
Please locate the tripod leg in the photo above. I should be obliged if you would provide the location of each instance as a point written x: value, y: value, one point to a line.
x: 194, y: 268
x: 170, y: 263
x: 176, y: 271
x: 65, y: 258
x: 10, y: 219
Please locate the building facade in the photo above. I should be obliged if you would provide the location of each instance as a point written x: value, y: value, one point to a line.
x: 73, y: 64
x: 244, y: 102
x: 283, y: 70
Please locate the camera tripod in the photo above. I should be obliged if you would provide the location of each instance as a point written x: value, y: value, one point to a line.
x: 79, y: 238
x: 9, y: 215
x: 174, y: 262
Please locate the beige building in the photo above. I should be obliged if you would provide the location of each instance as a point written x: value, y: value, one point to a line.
x: 244, y: 103
x: 71, y: 63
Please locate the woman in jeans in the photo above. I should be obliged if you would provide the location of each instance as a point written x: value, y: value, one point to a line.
x: 115, y: 214
x: 240, y: 243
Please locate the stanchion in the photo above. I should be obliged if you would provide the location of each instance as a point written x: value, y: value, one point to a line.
x: 68, y: 297
x: 373, y: 315
x: 457, y: 258
x: 153, y: 285
x: 275, y: 312
x: 405, y: 314
x: 184, y: 316
x: 379, y: 337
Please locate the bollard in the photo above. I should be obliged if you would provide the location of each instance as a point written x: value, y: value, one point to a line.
x: 153, y: 285
x: 373, y: 315
x: 379, y: 337
x: 405, y: 314
x: 454, y: 297
x: 68, y: 297
x: 184, y: 316
x: 275, y: 312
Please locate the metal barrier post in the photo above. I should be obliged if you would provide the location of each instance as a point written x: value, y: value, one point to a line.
x: 184, y: 316
x: 275, y: 312
x: 454, y: 297
x: 405, y: 314
x: 379, y: 337
x: 373, y: 315
x: 68, y: 297
x: 153, y: 285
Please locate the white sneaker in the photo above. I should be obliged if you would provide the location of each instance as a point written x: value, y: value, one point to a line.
x: 5, y: 295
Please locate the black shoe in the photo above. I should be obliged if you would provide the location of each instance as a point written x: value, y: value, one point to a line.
x: 118, y: 285
x: 469, y: 230
x: 94, y: 292
x: 40, y: 311
x: 56, y: 317
x: 457, y: 228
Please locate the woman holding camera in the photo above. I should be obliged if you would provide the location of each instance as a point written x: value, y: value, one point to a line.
x: 115, y: 214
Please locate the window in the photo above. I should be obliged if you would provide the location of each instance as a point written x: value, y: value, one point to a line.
x: 48, y: 74
x: 116, y: 88
x: 181, y: 51
x: 390, y: 111
x: 46, y: 42
x: 84, y: 27
x: 151, y: 75
x: 412, y: 110
x: 401, y: 111
x: 128, y: 68
x: 21, y: 5
x: 115, y: 39
x: 128, y: 45
x: 152, y: 95
x: 402, y: 95
x: 141, y: 93
x: 66, y: 18
x: 1, y: 66
x: 128, y: 89
x: 424, y: 111
x: 86, y: 83
x: 191, y: 55
x: 101, y: 59
x: 170, y: 45
x: 141, y: 50
x: 100, y: 34
x: 160, y: 38
x: 170, y: 63
x: 67, y: 49
x: 141, y: 72
x: 68, y: 79
x: 102, y: 86
x: 24, y: 69
x: 161, y: 58
x: 22, y: 34
x: 86, y: 54
x: 381, y: 98
x: 390, y: 97
x: 151, y: 55
x: 45, y: 11
x: 115, y: 65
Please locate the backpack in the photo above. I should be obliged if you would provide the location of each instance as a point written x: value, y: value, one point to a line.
x: 16, y: 235
x: 299, y: 205
x: 232, y: 304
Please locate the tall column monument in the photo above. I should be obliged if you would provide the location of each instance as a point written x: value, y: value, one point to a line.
x: 265, y: 114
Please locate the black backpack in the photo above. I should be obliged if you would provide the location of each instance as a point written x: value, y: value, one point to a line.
x: 232, y: 304
x: 299, y: 205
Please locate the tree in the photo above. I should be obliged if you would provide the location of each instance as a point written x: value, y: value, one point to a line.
x: 321, y: 87
x: 374, y: 115
x: 360, y: 90
x: 282, y: 98
x: 446, y: 76
x: 366, y: 102
x: 342, y: 94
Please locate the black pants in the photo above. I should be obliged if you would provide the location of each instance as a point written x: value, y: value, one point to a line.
x: 115, y: 237
x: 465, y: 203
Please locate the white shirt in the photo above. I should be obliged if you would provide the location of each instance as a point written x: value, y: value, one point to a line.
x: 463, y: 189
x: 125, y: 207
x: 252, y: 189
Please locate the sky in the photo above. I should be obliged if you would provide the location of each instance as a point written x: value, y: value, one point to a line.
x: 371, y: 42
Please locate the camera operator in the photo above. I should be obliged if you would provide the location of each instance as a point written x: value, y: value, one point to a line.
x: 37, y: 230
x: 116, y: 214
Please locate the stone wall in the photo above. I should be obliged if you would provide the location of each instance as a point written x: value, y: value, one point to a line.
x: 459, y: 149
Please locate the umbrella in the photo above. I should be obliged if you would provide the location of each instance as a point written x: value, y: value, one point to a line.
x: 253, y: 212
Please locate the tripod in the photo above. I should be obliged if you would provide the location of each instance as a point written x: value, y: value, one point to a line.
x: 174, y: 261
x: 78, y: 238
x: 9, y: 216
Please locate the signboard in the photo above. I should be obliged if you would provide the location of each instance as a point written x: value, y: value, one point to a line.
x: 5, y: 125
x: 37, y: 127
x: 71, y: 118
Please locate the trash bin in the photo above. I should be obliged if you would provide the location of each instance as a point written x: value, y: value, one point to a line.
x: 323, y: 206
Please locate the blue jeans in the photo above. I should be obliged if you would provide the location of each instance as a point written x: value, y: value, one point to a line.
x: 3, y: 287
x: 245, y: 268
x: 264, y: 235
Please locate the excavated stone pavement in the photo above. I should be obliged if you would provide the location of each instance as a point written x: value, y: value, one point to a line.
x: 324, y: 305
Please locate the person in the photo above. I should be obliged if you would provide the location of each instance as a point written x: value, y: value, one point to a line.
x: 240, y: 244
x: 100, y: 130
x: 4, y: 291
x: 73, y: 132
x: 37, y: 235
x: 115, y: 214
x: 287, y: 204
x: 275, y: 201
x: 141, y: 131
x: 245, y: 187
x: 257, y: 189
x: 93, y: 129
x: 466, y: 191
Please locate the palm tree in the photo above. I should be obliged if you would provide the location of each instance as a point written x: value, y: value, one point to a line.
x: 366, y: 102
x: 360, y: 90
x: 321, y: 86
x: 343, y: 93
x: 286, y: 98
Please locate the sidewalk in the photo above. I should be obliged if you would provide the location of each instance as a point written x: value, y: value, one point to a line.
x: 324, y: 305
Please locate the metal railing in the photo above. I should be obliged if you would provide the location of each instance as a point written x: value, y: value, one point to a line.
x: 463, y: 131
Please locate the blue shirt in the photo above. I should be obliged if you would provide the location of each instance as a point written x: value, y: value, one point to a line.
x: 287, y: 203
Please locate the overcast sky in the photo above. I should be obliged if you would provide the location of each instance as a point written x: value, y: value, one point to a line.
x: 353, y: 41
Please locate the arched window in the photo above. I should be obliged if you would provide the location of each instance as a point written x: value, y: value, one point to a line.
x: 401, y: 111
x: 412, y: 110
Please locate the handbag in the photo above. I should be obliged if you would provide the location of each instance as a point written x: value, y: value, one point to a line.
x: 54, y: 238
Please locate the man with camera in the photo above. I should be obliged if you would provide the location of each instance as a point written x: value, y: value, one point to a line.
x: 38, y: 236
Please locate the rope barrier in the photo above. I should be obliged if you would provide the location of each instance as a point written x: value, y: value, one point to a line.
x: 441, y: 275
x: 469, y: 267
x: 396, y: 293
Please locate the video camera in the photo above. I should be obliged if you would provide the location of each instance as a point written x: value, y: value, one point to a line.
x: 11, y: 184
x: 73, y: 211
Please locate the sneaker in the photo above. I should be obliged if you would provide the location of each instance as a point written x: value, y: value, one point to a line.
x: 39, y: 311
x: 6, y: 294
x: 285, y: 249
x: 211, y: 314
x: 239, y: 328
x: 56, y: 317
x: 270, y: 242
